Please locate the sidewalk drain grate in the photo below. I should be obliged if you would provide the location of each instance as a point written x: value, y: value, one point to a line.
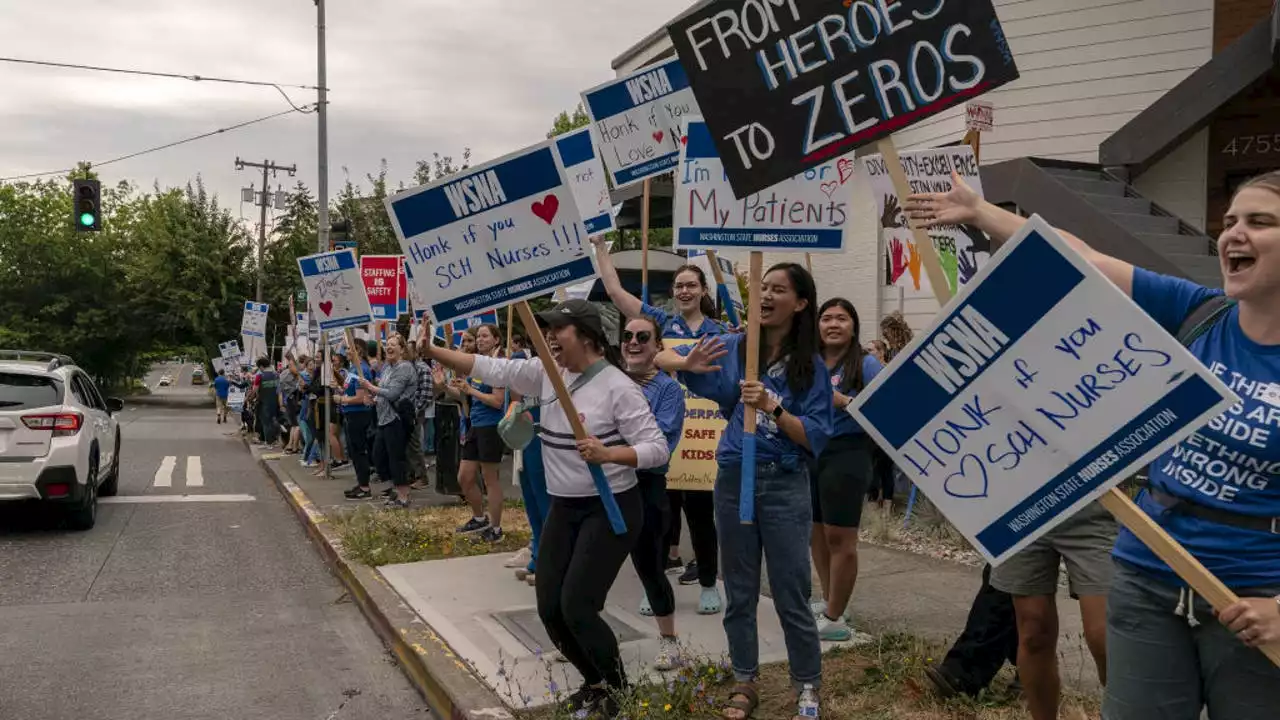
x: 526, y: 626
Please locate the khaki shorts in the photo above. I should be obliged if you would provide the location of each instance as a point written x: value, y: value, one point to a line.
x: 1084, y: 543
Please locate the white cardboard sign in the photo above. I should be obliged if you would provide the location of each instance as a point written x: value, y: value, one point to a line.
x: 1039, y: 387
x: 980, y: 116
x: 335, y: 289
x: 586, y: 177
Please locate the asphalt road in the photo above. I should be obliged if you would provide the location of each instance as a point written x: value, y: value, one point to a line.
x: 212, y: 605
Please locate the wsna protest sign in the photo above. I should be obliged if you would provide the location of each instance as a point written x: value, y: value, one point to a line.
x: 638, y: 121
x: 254, y: 321
x: 505, y: 231
x: 786, y: 86
x: 807, y: 212
x: 962, y: 250
x: 1040, y: 387
x: 586, y: 178
x: 471, y: 323
x: 335, y: 290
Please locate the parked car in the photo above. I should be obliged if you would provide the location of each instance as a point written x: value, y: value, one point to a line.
x: 59, y: 437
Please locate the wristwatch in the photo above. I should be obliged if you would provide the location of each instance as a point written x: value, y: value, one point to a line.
x: 777, y: 412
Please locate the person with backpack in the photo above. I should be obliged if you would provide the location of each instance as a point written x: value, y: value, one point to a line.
x: 596, y: 514
x: 1169, y: 653
x: 393, y: 401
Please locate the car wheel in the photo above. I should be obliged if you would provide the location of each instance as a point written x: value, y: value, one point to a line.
x: 111, y: 485
x: 85, y: 515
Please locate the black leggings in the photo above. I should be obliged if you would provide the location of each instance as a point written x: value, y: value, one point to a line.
x: 700, y: 511
x: 650, y: 552
x: 389, y: 444
x: 579, y: 557
x: 448, y: 449
x: 358, y: 426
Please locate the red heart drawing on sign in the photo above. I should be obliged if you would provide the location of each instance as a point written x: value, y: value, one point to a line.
x: 657, y: 137
x: 829, y: 188
x: 684, y: 140
x: 326, y: 307
x: 846, y: 169
x: 547, y: 208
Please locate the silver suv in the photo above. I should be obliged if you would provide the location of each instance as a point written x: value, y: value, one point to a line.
x: 59, y: 438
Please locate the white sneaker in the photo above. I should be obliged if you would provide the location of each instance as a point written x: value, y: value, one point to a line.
x: 669, y: 656
x: 818, y: 607
x: 520, y: 559
x: 833, y: 630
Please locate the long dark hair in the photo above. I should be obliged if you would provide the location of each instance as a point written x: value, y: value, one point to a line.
x: 707, y: 306
x: 601, y: 344
x: 801, y: 344
x: 850, y: 363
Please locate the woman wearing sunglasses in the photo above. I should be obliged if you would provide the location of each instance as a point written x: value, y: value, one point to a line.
x: 640, y: 345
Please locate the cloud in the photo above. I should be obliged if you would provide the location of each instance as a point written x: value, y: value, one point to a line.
x: 407, y: 79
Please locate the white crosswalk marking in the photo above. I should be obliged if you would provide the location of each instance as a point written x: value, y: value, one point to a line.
x: 164, y: 476
x: 195, y: 478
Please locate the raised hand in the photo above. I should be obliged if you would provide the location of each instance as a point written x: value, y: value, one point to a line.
x: 967, y: 266
x: 913, y: 263
x: 958, y: 206
x: 701, y: 359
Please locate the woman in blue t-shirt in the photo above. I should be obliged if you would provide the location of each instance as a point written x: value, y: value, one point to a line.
x: 482, y: 448
x: 840, y: 477
x: 695, y: 317
x: 1217, y: 492
x: 792, y: 400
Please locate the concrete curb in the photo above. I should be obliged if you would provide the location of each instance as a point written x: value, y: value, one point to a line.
x: 443, y: 678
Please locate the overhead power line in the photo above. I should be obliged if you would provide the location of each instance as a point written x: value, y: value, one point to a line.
x: 279, y: 87
x: 166, y: 146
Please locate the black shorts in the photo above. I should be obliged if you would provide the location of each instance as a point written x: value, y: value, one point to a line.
x: 838, y: 481
x: 483, y: 444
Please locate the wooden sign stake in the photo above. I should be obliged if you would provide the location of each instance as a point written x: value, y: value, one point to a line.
x: 644, y: 244
x: 747, y: 492
x: 352, y: 353
x: 510, y: 328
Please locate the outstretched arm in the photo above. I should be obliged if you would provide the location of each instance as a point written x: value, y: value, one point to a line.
x: 628, y: 304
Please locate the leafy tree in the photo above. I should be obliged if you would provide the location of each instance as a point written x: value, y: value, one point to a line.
x: 565, y: 122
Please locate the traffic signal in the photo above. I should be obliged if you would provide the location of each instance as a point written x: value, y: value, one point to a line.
x: 340, y: 235
x: 86, y: 214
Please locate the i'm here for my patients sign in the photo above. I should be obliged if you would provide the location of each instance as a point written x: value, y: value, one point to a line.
x: 807, y: 212
x: 1040, y: 387
x: 786, y: 85
x: 505, y: 231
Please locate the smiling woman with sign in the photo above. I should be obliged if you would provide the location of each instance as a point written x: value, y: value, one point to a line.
x: 793, y: 405
x: 1217, y: 492
x: 582, y: 548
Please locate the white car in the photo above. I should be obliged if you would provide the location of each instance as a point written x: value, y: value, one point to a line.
x: 59, y: 438
x: 165, y: 381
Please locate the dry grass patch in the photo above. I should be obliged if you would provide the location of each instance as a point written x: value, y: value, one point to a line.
x: 375, y: 536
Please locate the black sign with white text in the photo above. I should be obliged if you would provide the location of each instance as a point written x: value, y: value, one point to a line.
x: 786, y: 85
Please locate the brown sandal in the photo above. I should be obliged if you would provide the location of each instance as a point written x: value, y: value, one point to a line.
x: 742, y: 699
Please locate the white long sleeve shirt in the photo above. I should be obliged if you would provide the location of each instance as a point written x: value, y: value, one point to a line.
x: 612, y: 408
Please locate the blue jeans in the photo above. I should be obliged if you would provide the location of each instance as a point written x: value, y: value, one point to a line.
x: 780, y: 535
x: 428, y: 428
x: 1159, y: 667
x: 533, y: 487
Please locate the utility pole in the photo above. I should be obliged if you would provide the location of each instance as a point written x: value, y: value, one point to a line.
x: 322, y: 116
x: 264, y: 201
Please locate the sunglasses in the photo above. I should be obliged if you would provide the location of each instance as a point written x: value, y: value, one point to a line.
x: 641, y: 337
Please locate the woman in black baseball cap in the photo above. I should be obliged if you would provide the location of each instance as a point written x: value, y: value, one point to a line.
x: 594, y: 518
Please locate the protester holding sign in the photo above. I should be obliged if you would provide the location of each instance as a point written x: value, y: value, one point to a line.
x: 1217, y: 492
x: 694, y: 318
x: 640, y: 344
x: 357, y: 418
x: 839, y: 478
x: 393, y: 400
x: 482, y: 449
x: 580, y: 553
x: 793, y: 405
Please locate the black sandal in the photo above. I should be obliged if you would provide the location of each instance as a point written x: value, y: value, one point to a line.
x: 742, y: 699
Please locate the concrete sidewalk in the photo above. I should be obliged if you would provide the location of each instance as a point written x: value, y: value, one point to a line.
x: 475, y: 611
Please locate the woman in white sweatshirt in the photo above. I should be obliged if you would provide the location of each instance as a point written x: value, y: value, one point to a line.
x: 581, y: 548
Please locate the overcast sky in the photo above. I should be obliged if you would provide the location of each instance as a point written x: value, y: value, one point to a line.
x: 407, y: 78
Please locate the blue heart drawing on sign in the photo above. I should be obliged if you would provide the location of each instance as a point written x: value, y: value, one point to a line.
x: 970, y: 487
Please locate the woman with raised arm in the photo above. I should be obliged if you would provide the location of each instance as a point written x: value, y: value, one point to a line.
x: 695, y: 318
x: 579, y: 553
x: 792, y: 401
x: 1217, y: 492
x: 482, y: 449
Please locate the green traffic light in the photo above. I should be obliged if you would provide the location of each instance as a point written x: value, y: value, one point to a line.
x: 86, y: 219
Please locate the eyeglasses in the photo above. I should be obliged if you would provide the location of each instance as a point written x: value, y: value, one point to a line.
x: 688, y: 286
x: 641, y: 337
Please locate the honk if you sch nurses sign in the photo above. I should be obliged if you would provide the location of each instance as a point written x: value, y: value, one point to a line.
x: 505, y: 231
x: 1039, y: 387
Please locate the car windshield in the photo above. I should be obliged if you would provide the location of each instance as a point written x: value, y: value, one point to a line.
x: 20, y: 392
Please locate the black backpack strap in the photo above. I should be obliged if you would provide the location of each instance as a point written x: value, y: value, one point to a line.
x: 1203, y: 317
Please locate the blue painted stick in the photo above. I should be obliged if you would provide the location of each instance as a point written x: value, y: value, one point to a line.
x: 911, y: 504
x: 747, y: 497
